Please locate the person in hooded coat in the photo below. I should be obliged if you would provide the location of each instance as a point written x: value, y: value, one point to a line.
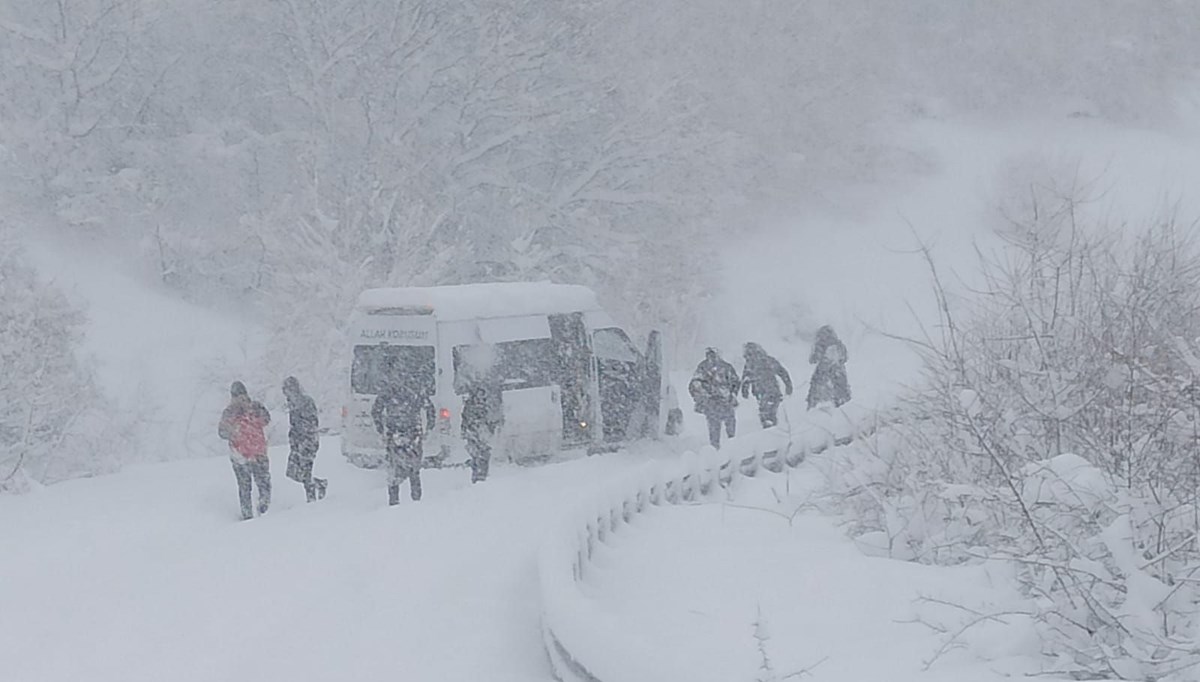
x: 482, y: 419
x: 303, y: 439
x: 761, y: 377
x: 397, y: 414
x: 714, y: 388
x: 829, y: 381
x: 242, y: 425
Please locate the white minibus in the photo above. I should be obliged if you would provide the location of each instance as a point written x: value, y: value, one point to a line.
x: 570, y: 377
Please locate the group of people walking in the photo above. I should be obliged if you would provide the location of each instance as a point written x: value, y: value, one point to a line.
x: 402, y: 414
x: 716, y: 385
x: 243, y: 425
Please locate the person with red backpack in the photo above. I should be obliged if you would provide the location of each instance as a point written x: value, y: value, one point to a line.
x: 242, y: 425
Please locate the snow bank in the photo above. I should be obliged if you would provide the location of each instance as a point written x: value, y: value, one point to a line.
x: 584, y: 641
x: 1066, y: 479
x: 699, y: 582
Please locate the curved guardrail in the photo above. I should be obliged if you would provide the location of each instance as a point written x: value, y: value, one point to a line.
x: 574, y: 630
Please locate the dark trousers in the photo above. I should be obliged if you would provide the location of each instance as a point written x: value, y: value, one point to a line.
x: 479, y: 447
x: 829, y: 383
x: 299, y: 469
x: 404, y: 462
x: 714, y: 427
x: 258, y: 469
x: 768, y: 410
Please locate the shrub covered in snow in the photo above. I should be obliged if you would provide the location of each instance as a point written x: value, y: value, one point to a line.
x: 1057, y: 427
x: 50, y: 411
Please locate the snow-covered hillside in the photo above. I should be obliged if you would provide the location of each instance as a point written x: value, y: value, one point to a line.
x: 853, y: 262
x: 195, y: 192
x: 165, y: 362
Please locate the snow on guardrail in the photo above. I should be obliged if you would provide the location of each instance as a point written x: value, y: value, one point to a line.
x: 583, y: 641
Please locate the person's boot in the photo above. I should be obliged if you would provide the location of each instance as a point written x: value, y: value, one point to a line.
x: 393, y: 495
x: 414, y: 488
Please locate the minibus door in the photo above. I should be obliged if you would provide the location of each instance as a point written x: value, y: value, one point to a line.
x: 573, y: 358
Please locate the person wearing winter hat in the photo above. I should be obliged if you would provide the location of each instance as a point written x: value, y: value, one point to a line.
x: 714, y: 388
x: 303, y: 439
x: 242, y: 425
x: 829, y: 382
x: 761, y: 377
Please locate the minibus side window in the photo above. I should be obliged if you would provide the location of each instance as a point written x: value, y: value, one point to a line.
x: 367, y: 371
x: 528, y: 363
x: 611, y: 343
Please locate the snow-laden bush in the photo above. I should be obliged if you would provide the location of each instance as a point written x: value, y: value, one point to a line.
x: 1058, y: 427
x: 51, y: 415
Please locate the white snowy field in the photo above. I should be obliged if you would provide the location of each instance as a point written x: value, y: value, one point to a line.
x: 704, y: 582
x: 148, y: 575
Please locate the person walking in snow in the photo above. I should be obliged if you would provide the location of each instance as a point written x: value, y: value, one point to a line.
x: 397, y: 414
x: 761, y: 377
x: 829, y: 382
x: 242, y: 426
x: 482, y: 418
x: 714, y: 388
x: 303, y: 439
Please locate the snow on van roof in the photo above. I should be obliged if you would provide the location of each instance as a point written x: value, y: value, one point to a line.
x: 483, y: 300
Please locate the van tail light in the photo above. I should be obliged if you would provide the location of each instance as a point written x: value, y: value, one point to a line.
x: 445, y: 413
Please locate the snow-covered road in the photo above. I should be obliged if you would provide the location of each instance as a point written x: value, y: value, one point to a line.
x: 146, y: 575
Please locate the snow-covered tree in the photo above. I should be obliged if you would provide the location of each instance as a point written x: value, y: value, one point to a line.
x: 51, y: 418
x: 281, y: 155
x: 1057, y: 428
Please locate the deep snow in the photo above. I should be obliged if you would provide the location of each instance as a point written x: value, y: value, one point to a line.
x: 702, y: 580
x: 147, y: 575
x: 471, y: 301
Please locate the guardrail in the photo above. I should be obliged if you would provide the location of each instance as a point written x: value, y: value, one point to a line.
x: 587, y: 644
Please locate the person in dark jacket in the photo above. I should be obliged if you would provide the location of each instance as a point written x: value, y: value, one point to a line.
x: 242, y: 426
x: 482, y: 418
x: 829, y: 382
x: 397, y: 414
x: 303, y: 439
x: 714, y: 388
x: 761, y: 377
